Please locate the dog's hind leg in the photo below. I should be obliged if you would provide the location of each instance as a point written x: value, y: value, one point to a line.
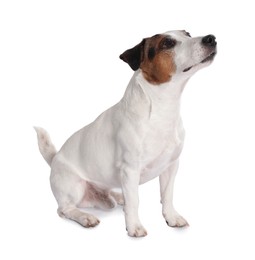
x: 69, y: 190
x: 73, y: 213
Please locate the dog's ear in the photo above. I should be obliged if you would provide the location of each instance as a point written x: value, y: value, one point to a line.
x: 134, y: 56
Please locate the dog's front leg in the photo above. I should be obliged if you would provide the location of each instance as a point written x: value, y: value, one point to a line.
x: 172, y: 217
x: 130, y: 182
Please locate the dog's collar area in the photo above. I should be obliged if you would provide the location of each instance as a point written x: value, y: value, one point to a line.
x: 208, y: 58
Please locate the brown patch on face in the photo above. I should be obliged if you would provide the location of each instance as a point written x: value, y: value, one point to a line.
x: 158, y: 64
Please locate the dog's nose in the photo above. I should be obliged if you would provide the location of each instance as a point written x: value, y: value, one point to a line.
x: 209, y: 40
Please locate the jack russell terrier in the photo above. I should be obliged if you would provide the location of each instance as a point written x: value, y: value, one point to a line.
x: 136, y: 140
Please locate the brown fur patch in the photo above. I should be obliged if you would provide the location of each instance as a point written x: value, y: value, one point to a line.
x: 159, y: 67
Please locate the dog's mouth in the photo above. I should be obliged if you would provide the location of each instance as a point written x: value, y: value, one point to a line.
x: 210, y: 57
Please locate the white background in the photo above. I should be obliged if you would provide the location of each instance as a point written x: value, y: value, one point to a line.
x: 59, y: 68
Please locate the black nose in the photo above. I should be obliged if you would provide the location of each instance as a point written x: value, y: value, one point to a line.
x: 209, y: 40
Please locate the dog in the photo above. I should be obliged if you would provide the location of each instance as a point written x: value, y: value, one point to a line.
x: 138, y: 139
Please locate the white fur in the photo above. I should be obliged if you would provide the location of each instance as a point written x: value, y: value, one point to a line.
x: 138, y: 139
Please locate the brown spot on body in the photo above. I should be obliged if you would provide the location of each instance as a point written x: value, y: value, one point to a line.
x: 154, y: 56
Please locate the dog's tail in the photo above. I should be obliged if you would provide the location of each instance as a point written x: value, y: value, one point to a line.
x: 46, y: 147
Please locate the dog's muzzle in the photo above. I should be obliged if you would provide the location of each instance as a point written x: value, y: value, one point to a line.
x: 208, y: 41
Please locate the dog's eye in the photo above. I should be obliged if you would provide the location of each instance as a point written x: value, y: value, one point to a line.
x: 168, y: 43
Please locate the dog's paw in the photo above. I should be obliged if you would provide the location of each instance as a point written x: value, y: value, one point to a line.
x: 106, y: 203
x: 176, y: 220
x: 89, y: 221
x: 118, y: 197
x: 137, y: 231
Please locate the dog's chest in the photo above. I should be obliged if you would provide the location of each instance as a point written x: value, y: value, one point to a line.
x: 162, y: 145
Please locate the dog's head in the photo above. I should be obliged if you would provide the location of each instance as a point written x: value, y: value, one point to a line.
x: 172, y: 54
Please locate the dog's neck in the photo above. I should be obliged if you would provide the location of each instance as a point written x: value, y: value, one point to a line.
x: 142, y: 97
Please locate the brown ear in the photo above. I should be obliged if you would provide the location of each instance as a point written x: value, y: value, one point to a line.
x: 134, y: 56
